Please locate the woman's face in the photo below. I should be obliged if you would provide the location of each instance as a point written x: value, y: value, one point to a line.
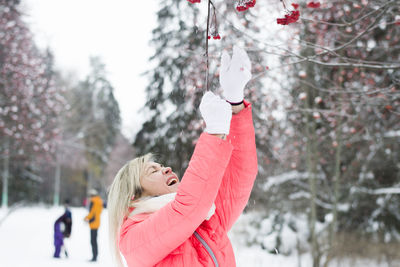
x: 158, y: 180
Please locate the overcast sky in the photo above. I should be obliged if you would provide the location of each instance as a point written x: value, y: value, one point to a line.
x: 118, y: 31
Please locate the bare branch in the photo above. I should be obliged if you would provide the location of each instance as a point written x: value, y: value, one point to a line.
x: 351, y: 22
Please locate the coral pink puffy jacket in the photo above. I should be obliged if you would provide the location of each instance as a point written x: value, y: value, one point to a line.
x: 220, y: 172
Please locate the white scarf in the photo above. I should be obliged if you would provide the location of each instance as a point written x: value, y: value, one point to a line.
x: 150, y: 205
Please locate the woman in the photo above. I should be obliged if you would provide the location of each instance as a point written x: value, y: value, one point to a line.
x: 155, y: 220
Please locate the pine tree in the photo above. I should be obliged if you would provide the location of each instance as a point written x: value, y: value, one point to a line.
x: 176, y: 86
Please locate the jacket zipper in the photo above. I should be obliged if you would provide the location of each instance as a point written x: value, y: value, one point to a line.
x: 207, y: 247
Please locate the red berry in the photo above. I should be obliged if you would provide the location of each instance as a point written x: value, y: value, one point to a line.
x: 241, y: 8
x: 314, y: 4
x: 251, y: 4
x: 282, y: 21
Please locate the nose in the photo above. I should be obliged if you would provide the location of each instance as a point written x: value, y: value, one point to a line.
x: 167, y: 170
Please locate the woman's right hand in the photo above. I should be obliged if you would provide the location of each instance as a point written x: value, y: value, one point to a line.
x: 217, y: 114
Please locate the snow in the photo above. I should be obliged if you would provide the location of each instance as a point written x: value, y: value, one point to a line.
x: 389, y: 190
x: 283, y: 178
x: 256, y: 257
x: 393, y: 133
x: 27, y: 240
x: 379, y: 191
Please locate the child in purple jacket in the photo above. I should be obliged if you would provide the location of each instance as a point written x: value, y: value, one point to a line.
x: 62, y: 228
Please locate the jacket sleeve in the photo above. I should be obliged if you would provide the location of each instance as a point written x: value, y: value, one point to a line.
x: 90, y: 216
x: 148, y: 242
x: 241, y: 172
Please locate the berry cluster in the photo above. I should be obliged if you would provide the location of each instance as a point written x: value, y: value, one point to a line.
x: 292, y: 17
x: 243, y: 5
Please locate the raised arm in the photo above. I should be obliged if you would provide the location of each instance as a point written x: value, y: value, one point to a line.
x: 242, y: 169
x: 149, y: 241
x: 241, y: 172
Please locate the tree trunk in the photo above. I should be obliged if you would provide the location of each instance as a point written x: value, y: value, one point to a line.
x: 4, y: 198
x: 89, y: 184
x: 311, y: 169
x: 57, y: 177
x: 336, y: 183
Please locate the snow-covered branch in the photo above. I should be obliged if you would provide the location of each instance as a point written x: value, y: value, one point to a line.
x: 380, y: 191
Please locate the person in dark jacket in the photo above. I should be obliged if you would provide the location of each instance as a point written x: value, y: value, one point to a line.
x: 93, y: 218
x: 62, y: 229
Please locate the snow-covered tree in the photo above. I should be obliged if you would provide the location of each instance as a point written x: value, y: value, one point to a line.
x: 29, y: 101
x: 94, y: 121
x: 345, y: 92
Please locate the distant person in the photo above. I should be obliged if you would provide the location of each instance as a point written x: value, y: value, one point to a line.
x: 62, y: 229
x: 95, y: 209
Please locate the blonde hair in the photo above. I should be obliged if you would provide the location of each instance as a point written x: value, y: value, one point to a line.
x: 124, y: 188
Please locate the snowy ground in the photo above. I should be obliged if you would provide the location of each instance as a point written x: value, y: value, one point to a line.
x: 26, y: 239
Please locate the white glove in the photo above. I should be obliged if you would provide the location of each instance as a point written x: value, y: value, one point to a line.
x: 234, y: 74
x: 217, y: 114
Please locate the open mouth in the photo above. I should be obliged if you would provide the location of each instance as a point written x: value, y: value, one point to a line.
x: 171, y: 181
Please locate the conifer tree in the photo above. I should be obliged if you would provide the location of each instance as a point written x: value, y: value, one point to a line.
x: 176, y: 85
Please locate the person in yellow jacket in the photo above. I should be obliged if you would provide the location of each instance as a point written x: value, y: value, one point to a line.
x: 93, y: 218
